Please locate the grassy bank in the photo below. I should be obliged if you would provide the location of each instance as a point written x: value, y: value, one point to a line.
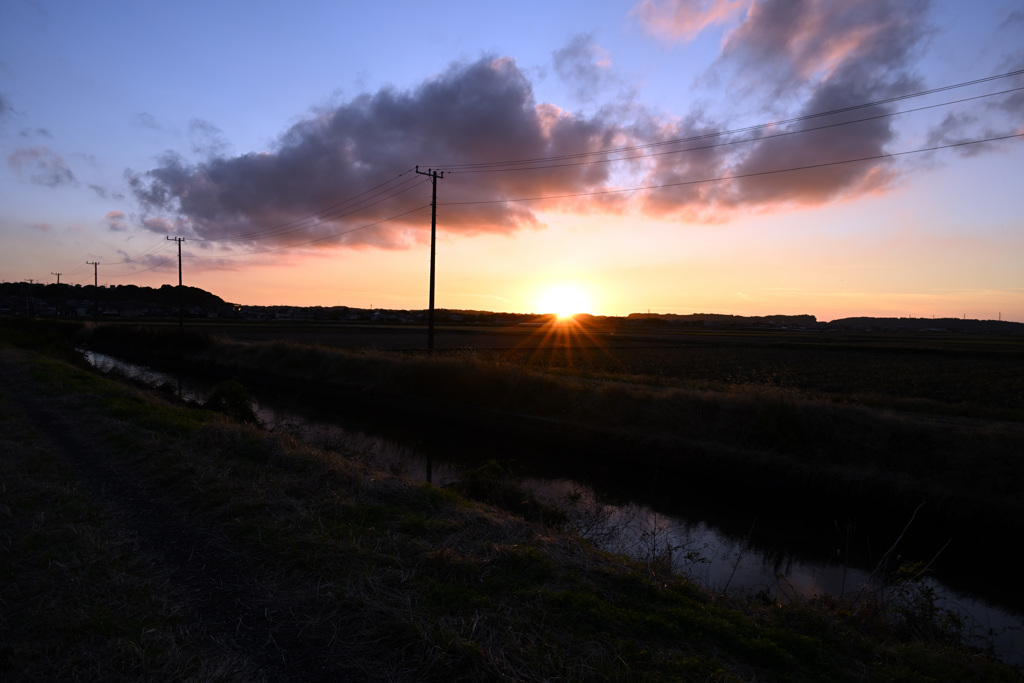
x: 889, y: 452
x: 148, y: 540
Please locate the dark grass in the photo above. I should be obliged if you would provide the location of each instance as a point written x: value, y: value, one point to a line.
x: 79, y: 600
x: 373, y: 574
x: 367, y: 572
x: 967, y: 374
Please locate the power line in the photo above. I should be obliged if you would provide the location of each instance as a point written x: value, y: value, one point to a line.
x: 745, y: 140
x: 341, y: 209
x: 329, y: 237
x: 144, y: 270
x: 388, y: 189
x: 159, y: 245
x: 313, y: 241
x: 162, y: 243
x: 75, y: 270
x: 287, y: 246
x: 330, y: 218
x: 382, y: 192
x: 456, y: 168
x: 739, y: 176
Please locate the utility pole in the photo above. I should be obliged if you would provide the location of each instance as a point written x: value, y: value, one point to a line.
x: 433, y: 175
x: 96, y: 289
x: 57, y: 307
x: 28, y: 299
x: 179, y: 240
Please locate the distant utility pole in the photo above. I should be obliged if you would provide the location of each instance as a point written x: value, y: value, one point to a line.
x: 58, y: 276
x: 96, y: 287
x: 179, y: 240
x: 433, y: 175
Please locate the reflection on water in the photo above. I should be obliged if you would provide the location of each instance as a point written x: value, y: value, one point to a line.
x: 692, y: 548
x: 665, y: 542
x: 105, y: 363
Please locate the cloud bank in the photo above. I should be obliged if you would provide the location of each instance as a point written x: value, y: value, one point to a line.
x: 798, y: 57
x: 481, y: 111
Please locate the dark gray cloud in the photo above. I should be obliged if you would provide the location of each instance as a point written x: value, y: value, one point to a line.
x: 821, y: 56
x: 147, y: 120
x: 106, y: 193
x: 995, y: 116
x: 1014, y: 20
x: 476, y: 112
x: 207, y: 139
x: 785, y: 46
x: 41, y: 165
x: 7, y: 112
x: 991, y: 119
x: 583, y: 66
x: 35, y: 133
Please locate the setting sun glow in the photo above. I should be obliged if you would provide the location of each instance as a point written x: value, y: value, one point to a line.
x: 562, y: 182
x: 564, y: 301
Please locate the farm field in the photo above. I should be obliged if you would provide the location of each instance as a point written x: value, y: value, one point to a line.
x: 970, y: 375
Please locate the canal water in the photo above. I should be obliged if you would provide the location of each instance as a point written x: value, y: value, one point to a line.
x: 720, y: 545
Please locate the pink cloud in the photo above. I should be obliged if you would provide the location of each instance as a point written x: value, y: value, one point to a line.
x: 116, y: 221
x: 685, y: 19
x: 786, y: 43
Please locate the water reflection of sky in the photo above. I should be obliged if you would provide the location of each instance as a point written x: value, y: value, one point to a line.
x: 698, y: 551
x: 105, y: 363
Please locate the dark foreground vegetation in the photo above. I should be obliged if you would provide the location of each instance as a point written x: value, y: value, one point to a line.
x: 144, y: 539
x: 872, y: 422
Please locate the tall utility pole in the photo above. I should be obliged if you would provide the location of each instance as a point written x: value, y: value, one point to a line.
x: 433, y: 175
x: 58, y: 276
x: 179, y: 240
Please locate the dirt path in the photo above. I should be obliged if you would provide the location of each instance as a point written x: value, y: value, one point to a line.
x: 222, y: 589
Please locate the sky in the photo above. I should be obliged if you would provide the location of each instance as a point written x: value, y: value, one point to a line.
x: 747, y: 157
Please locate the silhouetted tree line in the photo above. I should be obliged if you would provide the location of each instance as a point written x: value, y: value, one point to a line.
x: 21, y: 298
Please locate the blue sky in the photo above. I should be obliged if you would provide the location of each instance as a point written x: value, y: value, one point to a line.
x: 122, y: 123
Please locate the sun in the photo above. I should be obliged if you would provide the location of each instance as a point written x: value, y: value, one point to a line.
x: 564, y: 301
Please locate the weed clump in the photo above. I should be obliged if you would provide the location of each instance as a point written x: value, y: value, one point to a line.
x: 496, y: 485
x: 234, y: 400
